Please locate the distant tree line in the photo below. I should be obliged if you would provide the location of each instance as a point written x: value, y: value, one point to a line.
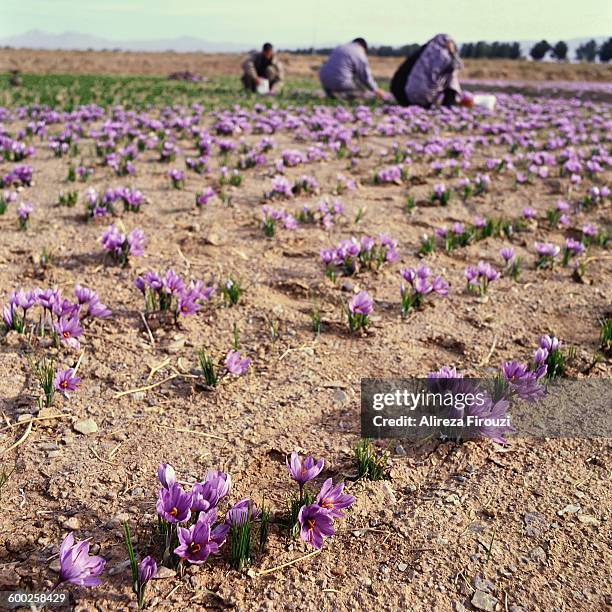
x: 587, y: 52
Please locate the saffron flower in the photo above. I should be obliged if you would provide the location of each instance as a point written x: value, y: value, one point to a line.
x: 422, y: 283
x: 315, y: 525
x: 174, y: 504
x: 546, y: 254
x: 331, y: 498
x: 241, y: 512
x: 120, y: 246
x: 147, y: 569
x: 177, y: 177
x: 166, y: 475
x: 66, y: 381
x: 303, y: 471
x: 24, y: 210
x: 76, y: 566
x: 235, y: 364
x: 479, y: 277
x: 203, y: 197
x: 69, y: 330
x: 200, y: 540
x: 359, y: 308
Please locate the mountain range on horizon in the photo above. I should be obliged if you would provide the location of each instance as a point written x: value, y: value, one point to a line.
x: 38, y: 39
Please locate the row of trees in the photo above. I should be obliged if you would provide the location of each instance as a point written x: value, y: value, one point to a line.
x: 587, y: 52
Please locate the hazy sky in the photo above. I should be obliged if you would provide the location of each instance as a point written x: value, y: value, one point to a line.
x: 306, y: 22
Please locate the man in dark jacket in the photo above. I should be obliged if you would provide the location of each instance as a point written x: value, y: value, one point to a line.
x: 262, y: 65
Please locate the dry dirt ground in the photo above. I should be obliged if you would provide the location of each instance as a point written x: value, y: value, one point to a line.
x: 204, y: 64
x: 452, y: 523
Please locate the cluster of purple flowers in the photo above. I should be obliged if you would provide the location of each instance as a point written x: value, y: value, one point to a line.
x: 15, y: 150
x: 99, y: 205
x: 272, y: 216
x: 326, y: 213
x: 422, y: 282
x: 392, y: 174
x: 171, y: 293
x: 485, y: 418
x: 480, y: 276
x: 58, y: 314
x: 121, y: 246
x: 351, y: 255
x: 203, y: 197
x: 360, y: 306
x: 317, y: 514
x: 192, y: 515
x: 24, y: 210
x: 20, y: 175
x: 177, y: 177
x: 546, y: 254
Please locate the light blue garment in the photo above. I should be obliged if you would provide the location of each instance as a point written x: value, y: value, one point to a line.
x: 347, y: 70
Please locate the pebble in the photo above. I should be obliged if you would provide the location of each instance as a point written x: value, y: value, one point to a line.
x: 340, y: 396
x: 164, y: 572
x: 587, y: 519
x: 85, y: 427
x: 569, y: 509
x: 484, y: 601
x: 48, y: 446
x: 538, y: 554
x: 119, y: 568
x: 481, y: 584
x: 72, y: 523
x: 402, y: 567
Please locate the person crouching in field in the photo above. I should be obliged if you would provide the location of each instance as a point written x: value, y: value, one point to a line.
x: 430, y: 76
x: 346, y: 73
x: 262, y: 65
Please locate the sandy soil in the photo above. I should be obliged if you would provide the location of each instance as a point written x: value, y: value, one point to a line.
x: 134, y: 63
x: 453, y: 522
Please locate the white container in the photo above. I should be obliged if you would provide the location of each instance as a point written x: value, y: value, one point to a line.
x: 485, y: 101
x: 264, y: 87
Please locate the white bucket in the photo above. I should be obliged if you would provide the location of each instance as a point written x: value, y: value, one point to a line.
x: 264, y: 87
x: 485, y: 101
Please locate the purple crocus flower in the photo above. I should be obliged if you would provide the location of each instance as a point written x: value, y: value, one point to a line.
x: 547, y: 249
x: 529, y: 213
x: 166, y: 475
x: 136, y: 241
x: 361, y: 304
x: 507, y: 253
x: 523, y: 381
x: 235, y: 364
x: 315, y: 524
x: 84, y: 295
x: 76, y: 566
x: 98, y: 310
x: 550, y: 343
x: 220, y: 480
x: 540, y: 356
x: 66, y: 381
x: 147, y: 569
x: 24, y: 210
x: 69, y: 330
x: 200, y: 541
x: 174, y: 504
x: 332, y: 499
x: 305, y: 470
x: 242, y: 511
